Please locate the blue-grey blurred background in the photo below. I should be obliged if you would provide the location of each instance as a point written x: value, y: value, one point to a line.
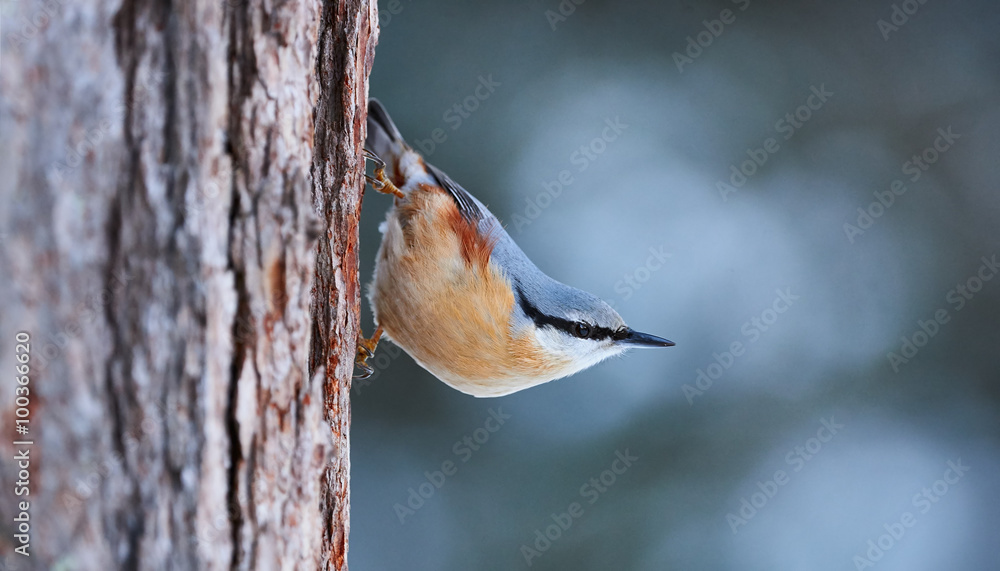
x: 888, y: 452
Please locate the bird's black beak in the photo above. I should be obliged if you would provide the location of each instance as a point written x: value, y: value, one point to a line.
x: 637, y: 339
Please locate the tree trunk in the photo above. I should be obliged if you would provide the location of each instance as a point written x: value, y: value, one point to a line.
x: 178, y: 220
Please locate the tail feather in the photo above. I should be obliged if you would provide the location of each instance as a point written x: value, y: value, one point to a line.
x: 383, y: 139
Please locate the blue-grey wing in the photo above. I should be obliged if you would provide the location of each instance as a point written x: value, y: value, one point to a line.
x: 467, y: 204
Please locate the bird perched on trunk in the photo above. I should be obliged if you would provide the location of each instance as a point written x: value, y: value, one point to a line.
x: 459, y: 296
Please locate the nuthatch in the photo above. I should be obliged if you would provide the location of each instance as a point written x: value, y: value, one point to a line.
x: 455, y: 292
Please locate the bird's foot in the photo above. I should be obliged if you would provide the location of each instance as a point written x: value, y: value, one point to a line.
x: 366, y: 349
x: 380, y: 182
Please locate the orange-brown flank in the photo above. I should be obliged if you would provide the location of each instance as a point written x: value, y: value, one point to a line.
x: 446, y: 304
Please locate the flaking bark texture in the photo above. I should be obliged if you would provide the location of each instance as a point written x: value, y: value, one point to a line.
x: 346, y: 51
x: 178, y: 233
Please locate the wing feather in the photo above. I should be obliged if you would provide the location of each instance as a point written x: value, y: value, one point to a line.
x: 466, y: 204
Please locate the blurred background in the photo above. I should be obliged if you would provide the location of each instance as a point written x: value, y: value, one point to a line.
x: 832, y: 401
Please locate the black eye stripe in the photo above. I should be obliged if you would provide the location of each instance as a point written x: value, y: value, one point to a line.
x: 570, y: 327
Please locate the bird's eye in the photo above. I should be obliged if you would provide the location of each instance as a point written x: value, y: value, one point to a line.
x: 582, y: 330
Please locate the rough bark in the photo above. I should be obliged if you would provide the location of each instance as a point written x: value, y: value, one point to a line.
x: 349, y: 31
x: 178, y: 226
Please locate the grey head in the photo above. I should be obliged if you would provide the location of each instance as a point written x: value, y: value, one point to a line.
x: 571, y: 321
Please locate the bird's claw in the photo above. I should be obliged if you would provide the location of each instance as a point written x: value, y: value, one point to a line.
x: 366, y: 349
x: 380, y: 182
